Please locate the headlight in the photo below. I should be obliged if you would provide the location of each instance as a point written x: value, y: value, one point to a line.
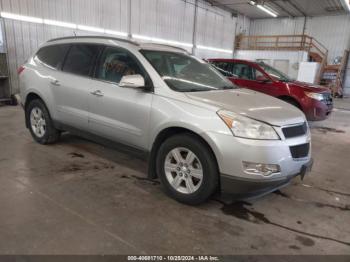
x: 316, y: 96
x: 245, y: 127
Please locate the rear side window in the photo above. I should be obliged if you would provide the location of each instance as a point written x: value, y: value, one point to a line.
x: 52, y: 56
x: 80, y: 59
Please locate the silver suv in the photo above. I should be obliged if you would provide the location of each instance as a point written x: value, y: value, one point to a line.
x: 202, y: 134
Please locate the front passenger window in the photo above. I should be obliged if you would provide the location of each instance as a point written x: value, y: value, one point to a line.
x: 116, y: 63
x: 243, y: 71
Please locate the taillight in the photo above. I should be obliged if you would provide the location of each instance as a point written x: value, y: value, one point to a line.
x: 20, y: 70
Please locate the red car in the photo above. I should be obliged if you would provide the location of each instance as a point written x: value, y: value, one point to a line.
x: 315, y: 101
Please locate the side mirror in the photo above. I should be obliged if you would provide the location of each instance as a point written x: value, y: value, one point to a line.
x: 132, y: 81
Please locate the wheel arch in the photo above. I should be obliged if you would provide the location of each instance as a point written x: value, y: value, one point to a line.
x: 165, y: 134
x: 30, y: 97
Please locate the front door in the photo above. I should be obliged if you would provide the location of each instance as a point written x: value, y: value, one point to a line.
x: 119, y: 113
x: 252, y: 78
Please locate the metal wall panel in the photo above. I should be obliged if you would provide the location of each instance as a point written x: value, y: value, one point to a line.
x: 332, y: 31
x: 167, y: 19
x: 275, y: 26
x: 243, y: 25
x: 215, y: 27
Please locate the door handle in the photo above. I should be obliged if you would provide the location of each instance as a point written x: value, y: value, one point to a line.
x: 55, y: 82
x: 97, y: 93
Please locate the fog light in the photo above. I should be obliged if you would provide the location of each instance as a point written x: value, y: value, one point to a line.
x: 260, y: 169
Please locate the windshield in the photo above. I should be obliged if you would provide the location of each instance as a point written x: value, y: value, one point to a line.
x: 273, y: 72
x: 184, y: 73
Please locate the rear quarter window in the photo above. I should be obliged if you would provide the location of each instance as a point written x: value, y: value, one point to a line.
x: 52, y: 56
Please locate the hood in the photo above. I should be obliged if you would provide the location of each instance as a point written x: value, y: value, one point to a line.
x: 310, y: 87
x: 252, y: 104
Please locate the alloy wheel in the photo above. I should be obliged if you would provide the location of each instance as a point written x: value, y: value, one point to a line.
x: 183, y: 170
x: 38, y: 122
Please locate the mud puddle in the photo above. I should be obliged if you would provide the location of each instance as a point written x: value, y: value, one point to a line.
x: 75, y: 154
x: 325, y: 130
x: 86, y: 166
x: 315, y: 203
x: 327, y: 190
x: 245, y: 211
x: 145, y: 179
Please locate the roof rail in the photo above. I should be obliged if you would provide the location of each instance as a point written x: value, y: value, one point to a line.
x: 165, y: 45
x: 94, y: 36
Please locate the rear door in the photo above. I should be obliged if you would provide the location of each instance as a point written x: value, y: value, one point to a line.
x: 119, y: 113
x: 72, y: 85
x: 49, y: 60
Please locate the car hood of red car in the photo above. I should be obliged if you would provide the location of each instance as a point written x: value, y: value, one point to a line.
x: 252, y: 104
x: 310, y: 87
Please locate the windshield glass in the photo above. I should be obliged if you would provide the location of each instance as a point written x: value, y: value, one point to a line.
x: 273, y: 72
x: 184, y: 73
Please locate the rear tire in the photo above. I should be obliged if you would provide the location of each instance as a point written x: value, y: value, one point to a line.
x: 40, y: 123
x: 187, y: 169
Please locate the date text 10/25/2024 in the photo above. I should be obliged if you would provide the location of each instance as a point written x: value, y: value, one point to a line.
x: 173, y: 258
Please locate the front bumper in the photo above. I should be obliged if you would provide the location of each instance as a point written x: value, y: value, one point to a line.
x: 251, y: 187
x: 231, y: 152
x: 317, y: 110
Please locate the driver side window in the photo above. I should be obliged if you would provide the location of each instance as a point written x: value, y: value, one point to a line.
x: 245, y: 71
x: 258, y: 75
x: 116, y: 63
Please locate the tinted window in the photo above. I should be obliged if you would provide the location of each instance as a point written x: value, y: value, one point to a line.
x: 80, y: 59
x: 52, y: 55
x: 248, y: 72
x: 116, y: 63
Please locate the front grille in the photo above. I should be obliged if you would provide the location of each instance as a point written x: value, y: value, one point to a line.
x: 294, y: 131
x: 327, y: 99
x: 300, y: 151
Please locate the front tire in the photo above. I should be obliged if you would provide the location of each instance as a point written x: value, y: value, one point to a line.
x: 40, y: 123
x: 187, y: 169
